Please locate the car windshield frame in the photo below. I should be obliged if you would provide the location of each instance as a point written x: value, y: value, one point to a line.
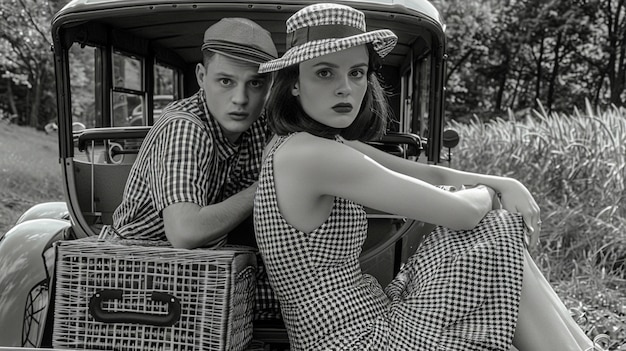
x: 114, y: 26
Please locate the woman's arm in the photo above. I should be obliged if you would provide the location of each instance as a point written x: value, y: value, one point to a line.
x: 515, y: 197
x: 309, y: 168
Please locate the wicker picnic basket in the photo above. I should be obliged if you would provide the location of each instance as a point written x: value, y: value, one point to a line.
x: 117, y: 295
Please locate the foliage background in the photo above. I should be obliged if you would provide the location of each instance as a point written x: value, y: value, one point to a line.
x: 511, y: 54
x: 26, y: 67
x: 502, y: 54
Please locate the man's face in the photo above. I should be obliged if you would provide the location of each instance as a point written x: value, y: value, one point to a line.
x: 234, y: 91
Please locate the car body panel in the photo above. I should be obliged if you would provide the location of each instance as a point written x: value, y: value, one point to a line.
x: 23, y: 267
x: 54, y: 210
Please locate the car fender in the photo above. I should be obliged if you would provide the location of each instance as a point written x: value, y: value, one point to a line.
x: 55, y: 210
x: 24, y: 279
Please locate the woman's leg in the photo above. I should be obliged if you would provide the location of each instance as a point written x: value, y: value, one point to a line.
x: 578, y: 333
x: 544, y: 323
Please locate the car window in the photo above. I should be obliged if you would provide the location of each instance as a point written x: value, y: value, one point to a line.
x: 128, y: 88
x: 85, y: 106
x: 161, y: 103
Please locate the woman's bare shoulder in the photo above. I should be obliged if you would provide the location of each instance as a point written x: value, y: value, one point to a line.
x: 304, y: 147
x: 309, y: 158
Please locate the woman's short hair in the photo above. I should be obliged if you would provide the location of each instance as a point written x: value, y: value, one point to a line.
x: 285, y: 114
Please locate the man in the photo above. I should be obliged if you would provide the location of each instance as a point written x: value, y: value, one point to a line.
x: 195, y: 176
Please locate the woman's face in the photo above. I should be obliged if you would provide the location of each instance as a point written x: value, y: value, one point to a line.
x: 330, y: 88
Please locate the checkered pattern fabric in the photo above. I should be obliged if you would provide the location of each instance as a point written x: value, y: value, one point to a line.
x: 459, y: 291
x: 186, y: 158
x: 266, y: 306
x: 314, y: 17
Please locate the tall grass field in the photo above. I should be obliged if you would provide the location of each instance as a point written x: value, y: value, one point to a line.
x: 575, y: 167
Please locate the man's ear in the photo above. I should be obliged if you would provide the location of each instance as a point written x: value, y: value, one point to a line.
x: 295, y: 91
x: 200, y: 73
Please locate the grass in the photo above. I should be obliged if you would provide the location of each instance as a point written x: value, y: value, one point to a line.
x: 575, y: 166
x: 30, y: 172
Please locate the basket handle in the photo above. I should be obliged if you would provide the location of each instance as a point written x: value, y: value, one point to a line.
x: 173, y: 315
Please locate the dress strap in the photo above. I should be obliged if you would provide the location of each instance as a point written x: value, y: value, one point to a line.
x: 279, y: 142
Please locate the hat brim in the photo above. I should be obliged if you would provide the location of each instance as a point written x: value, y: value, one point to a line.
x: 239, y: 52
x: 383, y: 41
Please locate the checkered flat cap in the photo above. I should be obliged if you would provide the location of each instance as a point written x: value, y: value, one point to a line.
x: 241, y: 39
x: 322, y: 29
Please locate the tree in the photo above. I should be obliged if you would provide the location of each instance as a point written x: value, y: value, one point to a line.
x: 468, y: 27
x: 26, y: 64
x: 555, y: 30
x: 512, y: 54
x: 612, y: 18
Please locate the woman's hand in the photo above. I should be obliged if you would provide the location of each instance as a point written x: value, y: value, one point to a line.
x: 515, y: 197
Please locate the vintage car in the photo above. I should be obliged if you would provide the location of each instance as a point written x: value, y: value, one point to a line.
x: 116, y: 59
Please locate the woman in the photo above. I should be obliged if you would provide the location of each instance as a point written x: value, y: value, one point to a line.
x: 470, y: 287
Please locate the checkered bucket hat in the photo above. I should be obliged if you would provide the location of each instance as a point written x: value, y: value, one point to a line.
x: 322, y: 29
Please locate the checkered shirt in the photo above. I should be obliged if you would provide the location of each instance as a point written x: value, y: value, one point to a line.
x: 186, y: 158
x: 459, y: 291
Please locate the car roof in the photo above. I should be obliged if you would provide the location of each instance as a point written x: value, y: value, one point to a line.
x: 75, y: 6
x: 179, y: 25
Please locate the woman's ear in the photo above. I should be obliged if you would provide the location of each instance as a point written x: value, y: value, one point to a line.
x: 295, y: 91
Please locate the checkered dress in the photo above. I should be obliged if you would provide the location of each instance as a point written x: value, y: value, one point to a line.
x: 459, y: 291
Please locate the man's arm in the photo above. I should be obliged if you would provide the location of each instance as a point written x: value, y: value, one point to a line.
x: 187, y: 225
x: 180, y: 185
